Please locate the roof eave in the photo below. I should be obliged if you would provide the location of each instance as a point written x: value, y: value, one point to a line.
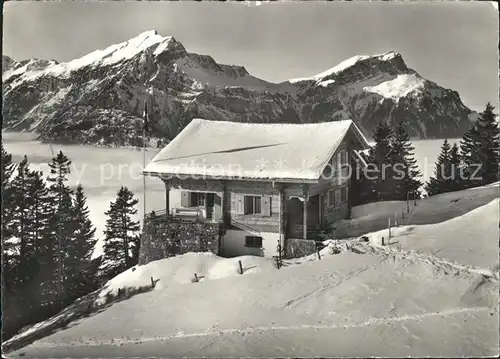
x: 229, y: 178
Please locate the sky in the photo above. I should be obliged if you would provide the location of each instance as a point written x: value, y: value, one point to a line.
x: 454, y: 44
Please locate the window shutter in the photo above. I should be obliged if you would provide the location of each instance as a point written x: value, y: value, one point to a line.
x: 239, y: 203
x: 266, y: 206
x: 185, y: 199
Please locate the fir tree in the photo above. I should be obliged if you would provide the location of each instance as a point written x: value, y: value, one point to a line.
x: 381, y: 155
x: 403, y: 158
x: 61, y: 224
x: 22, y: 249
x: 8, y: 168
x: 28, y: 224
x: 41, y: 264
x: 363, y: 185
x: 457, y: 170
x: 120, y: 242
x: 84, y: 243
x: 490, y: 145
x: 443, y: 180
x: 481, y: 149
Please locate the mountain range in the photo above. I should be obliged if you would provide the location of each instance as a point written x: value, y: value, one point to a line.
x: 99, y: 98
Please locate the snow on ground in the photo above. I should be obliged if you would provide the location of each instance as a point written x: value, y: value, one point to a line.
x: 375, y: 216
x: 382, y: 305
x: 417, y: 296
x: 181, y: 270
x: 470, y: 239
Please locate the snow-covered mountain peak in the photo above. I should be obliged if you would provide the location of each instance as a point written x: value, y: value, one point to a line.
x: 400, y: 87
x: 112, y: 55
x: 393, y: 58
x: 99, y: 98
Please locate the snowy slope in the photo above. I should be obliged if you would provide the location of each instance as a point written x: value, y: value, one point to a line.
x: 181, y: 270
x: 98, y: 99
x: 394, y: 300
x: 372, y: 217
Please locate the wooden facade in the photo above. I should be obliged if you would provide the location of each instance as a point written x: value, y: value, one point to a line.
x: 272, y: 210
x: 289, y: 210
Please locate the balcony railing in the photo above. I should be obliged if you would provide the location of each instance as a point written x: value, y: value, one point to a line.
x: 179, y: 215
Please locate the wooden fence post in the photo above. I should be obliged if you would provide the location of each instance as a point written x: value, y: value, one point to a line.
x: 383, y: 241
x: 241, y: 267
x: 389, y: 227
x: 317, y: 252
x: 196, y: 278
x: 152, y: 282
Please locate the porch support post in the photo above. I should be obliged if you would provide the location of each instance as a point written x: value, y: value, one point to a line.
x: 320, y: 210
x: 223, y: 202
x: 305, y: 189
x: 282, y: 216
x: 167, y: 197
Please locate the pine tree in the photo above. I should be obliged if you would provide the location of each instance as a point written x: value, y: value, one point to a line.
x: 381, y: 156
x: 490, y: 145
x: 363, y: 185
x: 84, y: 243
x: 61, y: 224
x: 481, y: 150
x: 120, y: 242
x: 457, y: 170
x: 22, y: 248
x: 403, y: 158
x: 8, y: 168
x: 42, y: 261
x: 27, y: 227
x: 443, y: 174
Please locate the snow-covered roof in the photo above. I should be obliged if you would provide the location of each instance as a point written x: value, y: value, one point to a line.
x: 222, y: 149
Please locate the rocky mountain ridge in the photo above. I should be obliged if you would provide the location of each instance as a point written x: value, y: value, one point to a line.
x: 99, y: 98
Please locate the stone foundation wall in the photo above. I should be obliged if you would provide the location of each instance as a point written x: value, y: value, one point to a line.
x: 163, y: 238
x: 295, y: 248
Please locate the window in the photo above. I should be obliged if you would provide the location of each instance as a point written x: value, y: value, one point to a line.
x: 253, y: 242
x: 331, y: 198
x: 252, y: 205
x: 343, y: 194
x: 344, y: 157
x: 198, y: 199
x: 339, y: 160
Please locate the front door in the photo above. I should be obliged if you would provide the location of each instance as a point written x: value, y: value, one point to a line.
x: 210, y: 205
x: 294, y: 218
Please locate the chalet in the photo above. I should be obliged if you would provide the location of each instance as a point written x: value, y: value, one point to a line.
x: 265, y: 183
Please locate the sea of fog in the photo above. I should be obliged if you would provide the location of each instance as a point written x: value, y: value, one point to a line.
x: 102, y: 171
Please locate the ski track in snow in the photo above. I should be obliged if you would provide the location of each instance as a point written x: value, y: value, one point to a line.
x: 301, y: 298
x: 369, y: 322
x: 434, y: 261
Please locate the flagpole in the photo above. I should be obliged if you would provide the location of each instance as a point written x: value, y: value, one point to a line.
x: 144, y: 160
